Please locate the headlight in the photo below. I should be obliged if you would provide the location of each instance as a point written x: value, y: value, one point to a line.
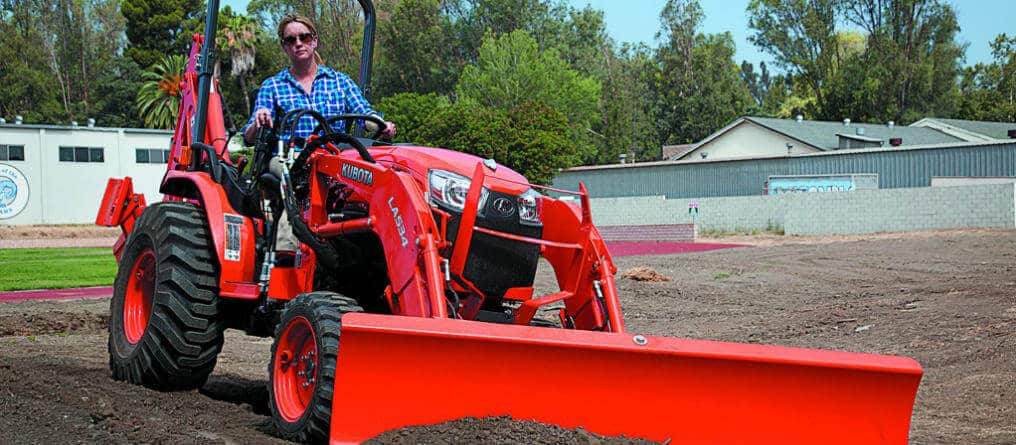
x: 451, y: 189
x: 531, y: 208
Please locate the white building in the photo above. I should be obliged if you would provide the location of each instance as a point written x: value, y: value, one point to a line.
x: 752, y: 137
x: 53, y: 174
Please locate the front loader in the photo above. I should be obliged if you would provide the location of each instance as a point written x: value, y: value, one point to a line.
x: 410, y: 299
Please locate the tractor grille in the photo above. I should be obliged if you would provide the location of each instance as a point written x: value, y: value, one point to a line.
x: 496, y: 264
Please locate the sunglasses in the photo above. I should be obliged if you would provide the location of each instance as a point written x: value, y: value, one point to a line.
x: 306, y: 37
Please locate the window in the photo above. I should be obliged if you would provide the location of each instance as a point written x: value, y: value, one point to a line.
x: 151, y: 156
x: 67, y: 154
x: 82, y: 154
x: 12, y: 152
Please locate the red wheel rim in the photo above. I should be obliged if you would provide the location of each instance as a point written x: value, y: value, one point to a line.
x: 137, y: 305
x: 295, y: 369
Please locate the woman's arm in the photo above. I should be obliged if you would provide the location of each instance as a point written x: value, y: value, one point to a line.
x: 263, y: 113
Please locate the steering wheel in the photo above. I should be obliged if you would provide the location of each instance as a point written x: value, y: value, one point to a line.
x: 350, y: 119
x: 334, y: 138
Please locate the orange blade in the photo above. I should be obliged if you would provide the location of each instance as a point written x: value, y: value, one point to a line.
x: 399, y: 371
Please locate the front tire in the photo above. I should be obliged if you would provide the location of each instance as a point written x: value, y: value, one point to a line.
x: 302, y: 370
x: 164, y: 326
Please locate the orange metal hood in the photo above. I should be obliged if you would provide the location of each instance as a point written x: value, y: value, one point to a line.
x: 419, y: 159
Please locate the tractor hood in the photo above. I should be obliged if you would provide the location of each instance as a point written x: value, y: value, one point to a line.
x: 419, y: 160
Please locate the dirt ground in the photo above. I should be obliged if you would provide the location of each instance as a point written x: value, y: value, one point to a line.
x: 75, y: 235
x: 945, y: 298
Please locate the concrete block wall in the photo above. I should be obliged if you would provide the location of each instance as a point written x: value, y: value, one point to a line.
x: 656, y: 232
x: 895, y: 210
x: 859, y: 211
x: 741, y: 213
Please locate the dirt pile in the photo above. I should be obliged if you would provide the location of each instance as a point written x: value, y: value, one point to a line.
x: 495, y: 431
x: 56, y: 322
x: 642, y: 273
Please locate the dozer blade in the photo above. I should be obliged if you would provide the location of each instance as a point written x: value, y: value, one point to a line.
x: 398, y: 371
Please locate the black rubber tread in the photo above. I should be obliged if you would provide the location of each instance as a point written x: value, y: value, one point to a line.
x: 324, y: 310
x: 184, y: 335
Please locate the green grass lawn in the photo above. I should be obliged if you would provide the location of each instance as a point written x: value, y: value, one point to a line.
x: 56, y: 268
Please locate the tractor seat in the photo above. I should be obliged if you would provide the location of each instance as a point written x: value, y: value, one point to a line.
x: 240, y: 192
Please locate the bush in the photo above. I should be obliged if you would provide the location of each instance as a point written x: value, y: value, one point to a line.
x: 409, y: 111
x: 530, y: 138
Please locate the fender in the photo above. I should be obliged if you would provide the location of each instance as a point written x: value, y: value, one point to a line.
x: 232, y: 233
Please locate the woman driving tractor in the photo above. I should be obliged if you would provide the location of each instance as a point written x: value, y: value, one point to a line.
x: 306, y: 84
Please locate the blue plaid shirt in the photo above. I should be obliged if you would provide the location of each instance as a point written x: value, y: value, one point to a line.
x: 333, y: 94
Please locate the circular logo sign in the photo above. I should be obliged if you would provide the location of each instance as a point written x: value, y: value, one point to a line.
x: 504, y: 207
x: 13, y: 191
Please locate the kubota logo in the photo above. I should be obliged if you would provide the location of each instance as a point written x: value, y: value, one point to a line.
x: 503, y: 207
x: 13, y: 191
x: 361, y: 175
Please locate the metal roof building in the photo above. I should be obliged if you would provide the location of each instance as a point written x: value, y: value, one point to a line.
x: 764, y: 136
x: 896, y: 167
x: 968, y: 130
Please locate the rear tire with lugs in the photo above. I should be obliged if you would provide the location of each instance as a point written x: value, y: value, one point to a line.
x: 164, y: 327
x: 301, y: 374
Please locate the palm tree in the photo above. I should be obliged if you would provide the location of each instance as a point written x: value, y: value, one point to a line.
x: 158, y: 99
x: 239, y: 37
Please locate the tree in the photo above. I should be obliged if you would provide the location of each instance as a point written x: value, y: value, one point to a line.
x: 116, y: 91
x: 159, y: 27
x: 476, y: 20
x: 60, y: 57
x: 989, y: 90
x: 238, y: 37
x: 718, y: 94
x: 758, y: 83
x: 582, y: 41
x: 911, y: 64
x: 530, y: 138
x: 511, y: 71
x: 415, y: 50
x: 28, y: 88
x: 627, y: 118
x: 158, y: 99
x: 801, y: 36
x: 411, y: 111
x: 699, y: 89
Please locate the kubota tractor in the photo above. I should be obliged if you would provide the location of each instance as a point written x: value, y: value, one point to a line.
x: 410, y: 299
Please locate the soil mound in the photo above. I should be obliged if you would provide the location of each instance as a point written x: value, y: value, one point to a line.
x: 496, y: 431
x: 642, y: 273
x: 56, y: 322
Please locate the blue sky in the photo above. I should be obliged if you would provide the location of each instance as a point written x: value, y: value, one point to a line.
x: 638, y: 21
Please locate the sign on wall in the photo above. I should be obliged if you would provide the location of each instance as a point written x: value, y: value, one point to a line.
x: 777, y: 185
x: 13, y: 191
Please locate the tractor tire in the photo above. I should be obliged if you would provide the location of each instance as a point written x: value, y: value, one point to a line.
x: 164, y: 327
x: 301, y: 374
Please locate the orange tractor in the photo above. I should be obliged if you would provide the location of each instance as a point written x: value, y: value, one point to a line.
x: 410, y: 299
